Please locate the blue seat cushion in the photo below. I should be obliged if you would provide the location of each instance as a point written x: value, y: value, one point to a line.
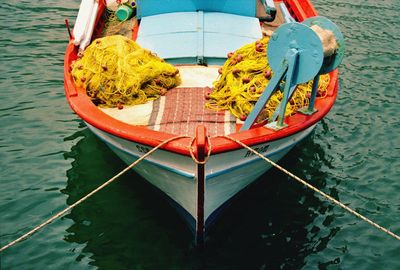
x: 191, y: 37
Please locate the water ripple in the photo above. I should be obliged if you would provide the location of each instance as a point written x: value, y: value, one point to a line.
x: 49, y: 160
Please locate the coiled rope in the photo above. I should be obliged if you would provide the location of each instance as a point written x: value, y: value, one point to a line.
x: 61, y: 213
x: 326, y: 196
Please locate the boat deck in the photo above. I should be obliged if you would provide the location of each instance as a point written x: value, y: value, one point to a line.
x: 183, y: 108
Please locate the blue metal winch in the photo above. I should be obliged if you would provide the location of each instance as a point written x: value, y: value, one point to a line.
x: 296, y: 55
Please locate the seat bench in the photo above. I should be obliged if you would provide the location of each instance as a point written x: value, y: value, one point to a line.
x: 197, y: 37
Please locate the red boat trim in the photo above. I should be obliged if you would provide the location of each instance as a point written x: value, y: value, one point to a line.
x: 300, y: 11
x: 84, y: 107
x: 135, y: 31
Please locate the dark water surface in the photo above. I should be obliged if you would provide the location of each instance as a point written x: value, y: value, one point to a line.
x: 49, y: 159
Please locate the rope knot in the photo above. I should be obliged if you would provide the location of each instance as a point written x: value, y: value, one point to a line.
x: 194, y: 154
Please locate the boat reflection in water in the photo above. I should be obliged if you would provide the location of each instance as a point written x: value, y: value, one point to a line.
x: 123, y: 223
x: 274, y: 223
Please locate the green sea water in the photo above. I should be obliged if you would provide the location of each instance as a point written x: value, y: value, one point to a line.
x: 49, y: 159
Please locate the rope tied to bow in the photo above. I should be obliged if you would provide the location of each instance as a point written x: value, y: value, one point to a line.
x: 326, y: 196
x: 90, y: 194
x: 108, y: 182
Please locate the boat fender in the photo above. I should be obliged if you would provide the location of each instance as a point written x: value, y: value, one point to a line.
x: 89, y: 31
x: 82, y: 20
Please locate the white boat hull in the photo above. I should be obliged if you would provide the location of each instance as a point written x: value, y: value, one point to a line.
x: 226, y: 174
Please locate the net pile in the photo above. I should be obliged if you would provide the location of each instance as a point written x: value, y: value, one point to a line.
x: 243, y: 79
x: 115, y: 71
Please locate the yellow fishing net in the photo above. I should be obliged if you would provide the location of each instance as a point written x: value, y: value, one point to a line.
x: 115, y: 71
x: 243, y: 79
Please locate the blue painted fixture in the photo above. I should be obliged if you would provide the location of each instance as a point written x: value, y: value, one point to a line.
x: 199, y: 31
x: 197, y: 37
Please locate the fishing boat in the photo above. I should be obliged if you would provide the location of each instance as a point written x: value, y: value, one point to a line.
x: 202, y: 172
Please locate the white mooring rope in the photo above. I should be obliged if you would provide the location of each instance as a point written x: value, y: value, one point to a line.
x: 379, y: 227
x: 59, y: 214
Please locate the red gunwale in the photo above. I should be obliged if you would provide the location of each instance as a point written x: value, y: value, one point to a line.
x: 82, y: 105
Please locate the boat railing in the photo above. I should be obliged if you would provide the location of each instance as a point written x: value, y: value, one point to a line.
x: 285, y: 13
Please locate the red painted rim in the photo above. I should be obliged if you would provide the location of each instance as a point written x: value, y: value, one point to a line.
x: 82, y: 105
